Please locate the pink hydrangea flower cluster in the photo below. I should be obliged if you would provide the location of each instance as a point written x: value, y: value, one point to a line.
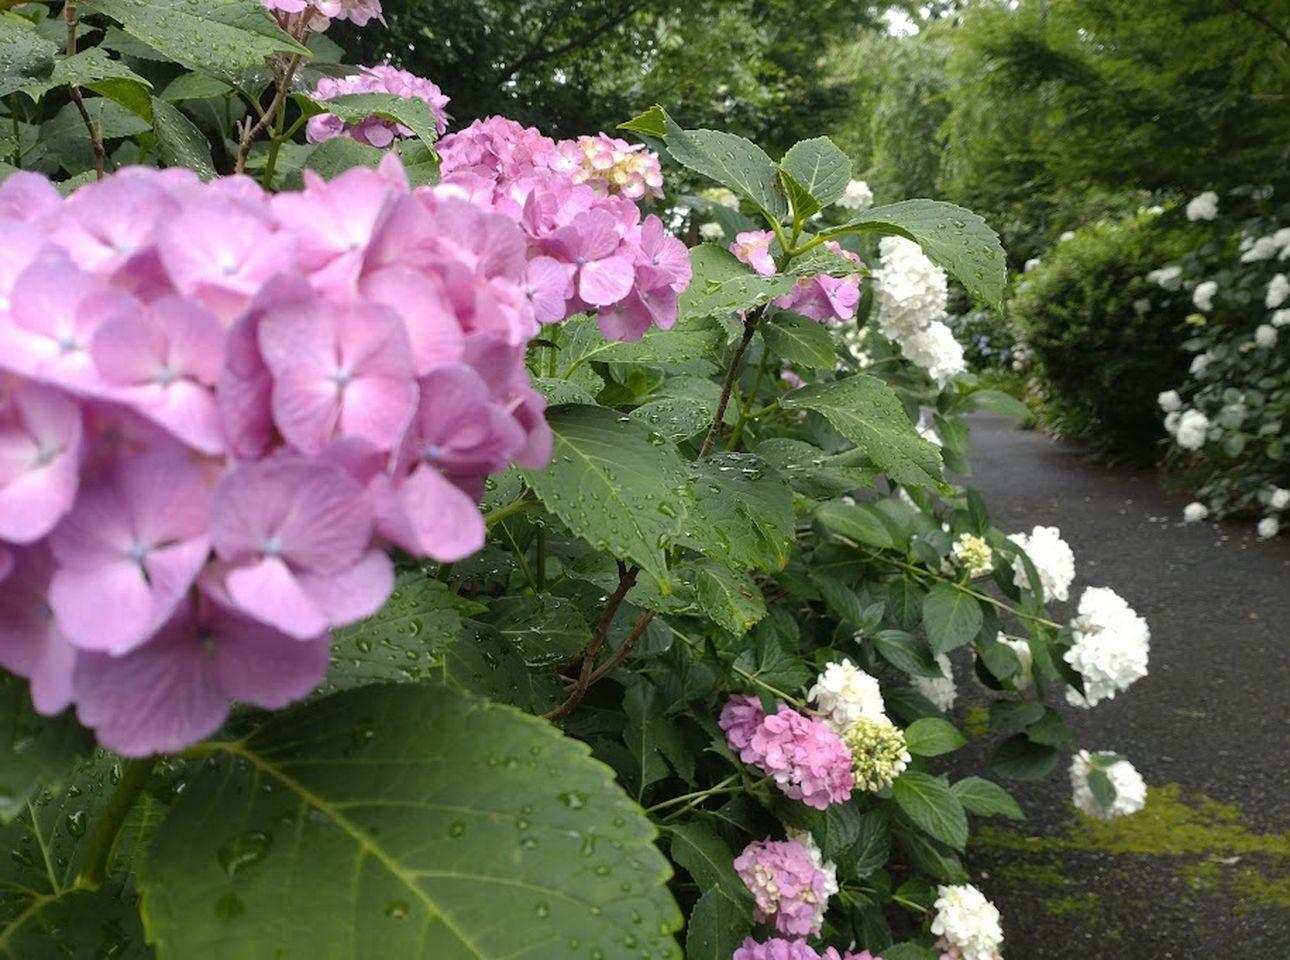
x: 375, y: 130
x: 820, y: 297
x: 790, y: 890
x: 320, y: 13
x: 777, y: 948
x: 807, y: 760
x: 611, y: 165
x: 589, y: 249
x: 219, y: 409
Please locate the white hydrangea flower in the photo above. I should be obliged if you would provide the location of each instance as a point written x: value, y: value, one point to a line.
x: 1264, y: 248
x: 1171, y: 422
x: 926, y: 430
x: 1279, y: 498
x: 967, y: 923
x: 1169, y: 401
x: 1025, y: 674
x: 941, y: 690
x: 1203, y: 295
x: 1268, y: 528
x: 1066, y: 235
x: 1200, y: 362
x: 1130, y: 790
x: 1278, y: 291
x: 1195, y: 512
x: 1281, y: 318
x: 1266, y: 336
x: 1192, y: 429
x: 711, y: 231
x: 857, y: 196
x: 1203, y: 207
x: 1053, y: 560
x: 1168, y: 277
x: 1031, y: 264
x: 1111, y: 645
x: 1282, y: 239
x: 1155, y: 210
x: 911, y: 290
x: 844, y: 694
x: 936, y: 351
x: 973, y: 554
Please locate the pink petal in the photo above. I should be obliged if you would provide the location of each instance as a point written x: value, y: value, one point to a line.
x: 428, y: 516
x: 355, y: 593
x: 602, y: 282
x: 269, y: 592
x: 30, y: 642
x: 434, y: 333
x: 107, y: 608
x: 378, y: 409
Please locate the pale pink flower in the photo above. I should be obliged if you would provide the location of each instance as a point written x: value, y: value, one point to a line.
x: 790, y: 890
x: 805, y: 757
x: 31, y: 643
x: 753, y: 248
x: 40, y: 461
x: 375, y: 130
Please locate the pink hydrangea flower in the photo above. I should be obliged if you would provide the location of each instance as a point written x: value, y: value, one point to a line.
x: 32, y: 644
x: 376, y: 130
x: 823, y: 297
x: 790, y: 890
x: 611, y: 165
x: 805, y: 757
x: 753, y: 248
x: 40, y: 460
x: 777, y: 948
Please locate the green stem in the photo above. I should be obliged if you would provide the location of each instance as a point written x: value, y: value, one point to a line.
x: 520, y: 505
x: 744, y: 404
x: 554, y: 356
x: 540, y: 560
x: 519, y: 556
x: 110, y: 822
x: 696, y: 795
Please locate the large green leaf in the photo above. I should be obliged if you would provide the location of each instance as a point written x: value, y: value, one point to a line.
x: 741, y: 512
x: 402, y: 641
x: 716, y: 929
x: 25, y: 55
x: 677, y: 418
x: 651, y: 733
x: 859, y: 522
x: 547, y: 629
x: 812, y: 472
x: 986, y: 799
x: 411, y: 112
x: 730, y: 160
x: 35, y: 751
x: 179, y: 142
x: 930, y: 805
x: 707, y: 859
x: 406, y: 821
x: 801, y: 340
x: 729, y: 597
x: 957, y: 239
x: 868, y: 413
x: 951, y: 617
x: 489, y: 664
x: 932, y: 736
x: 614, y: 485
x: 43, y: 913
x: 720, y: 284
x: 333, y: 157
x: 220, y: 37
x: 582, y: 342
x: 819, y: 168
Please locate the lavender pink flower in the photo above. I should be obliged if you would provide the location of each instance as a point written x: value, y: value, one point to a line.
x: 805, y: 757
x: 375, y: 130
x: 820, y: 297
x: 780, y: 949
x: 790, y: 890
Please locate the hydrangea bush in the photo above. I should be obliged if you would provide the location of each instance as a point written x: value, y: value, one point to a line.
x: 1229, y: 420
x: 605, y: 604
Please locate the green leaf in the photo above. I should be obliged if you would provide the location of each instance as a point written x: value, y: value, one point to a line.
x: 906, y: 653
x: 651, y: 731
x: 677, y: 418
x: 957, y: 239
x: 95, y: 70
x: 401, y: 641
x: 986, y: 799
x: 741, y: 512
x: 429, y: 823
x: 905, y: 599
x: 219, y: 37
x: 195, y: 86
x: 716, y: 929
x: 728, y: 159
x: 932, y: 736
x: 840, y: 598
x: 909, y: 950
x: 582, y: 342
x: 25, y: 55
x: 612, y: 485
x: 1020, y: 758
x: 930, y: 806
x: 872, y: 846
x: 547, y: 629
x: 411, y: 112
x: 803, y: 205
x: 720, y: 284
x: 812, y: 472
x: 952, y: 617
x: 179, y: 142
x: 819, y: 168
x: 486, y: 663
x: 1103, y: 789
x: 996, y: 401
x: 800, y: 340
x: 859, y: 522
x: 652, y: 123
x: 868, y: 413
x: 35, y: 752
x: 42, y: 911
x: 333, y: 157
x: 65, y: 139
x: 729, y: 597
x: 699, y: 851
x: 420, y: 162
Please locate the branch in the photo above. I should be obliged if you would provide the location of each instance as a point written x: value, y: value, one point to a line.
x: 96, y: 135
x: 626, y: 580
x: 251, y: 131
x: 1260, y: 19
x: 750, y: 327
x: 619, y: 655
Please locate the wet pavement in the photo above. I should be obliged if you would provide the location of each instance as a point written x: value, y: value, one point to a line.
x: 1207, y: 865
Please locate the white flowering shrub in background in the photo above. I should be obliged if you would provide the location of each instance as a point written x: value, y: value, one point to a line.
x: 1229, y: 421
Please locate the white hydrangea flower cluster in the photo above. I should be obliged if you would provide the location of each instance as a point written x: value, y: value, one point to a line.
x: 857, y: 196
x: 966, y: 923
x: 1268, y: 528
x: 1190, y: 428
x: 1053, y: 559
x: 1130, y: 789
x: 1203, y: 207
x: 1203, y: 295
x: 1111, y: 647
x: 1168, y: 277
x: 1278, y: 291
x: 912, y: 295
x: 1195, y: 512
x: 973, y: 554
x: 844, y: 694
x: 941, y: 691
x: 1169, y: 401
x: 1275, y: 246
